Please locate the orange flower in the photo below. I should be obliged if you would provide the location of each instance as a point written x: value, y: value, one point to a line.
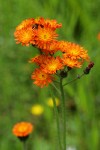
x: 41, y: 78
x: 25, y: 23
x: 74, y: 51
x: 51, y: 65
x: 34, y: 59
x: 44, y: 36
x: 47, y: 23
x: 71, y: 62
x: 52, y: 24
x: 63, y: 45
x: 39, y: 59
x: 51, y: 48
x: 22, y: 129
x: 24, y: 36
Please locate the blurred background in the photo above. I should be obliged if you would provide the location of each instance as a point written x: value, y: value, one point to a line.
x: 18, y: 96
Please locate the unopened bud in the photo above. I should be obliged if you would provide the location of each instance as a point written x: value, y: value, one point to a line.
x: 63, y: 74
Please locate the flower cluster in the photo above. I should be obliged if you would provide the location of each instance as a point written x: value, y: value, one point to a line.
x: 41, y: 33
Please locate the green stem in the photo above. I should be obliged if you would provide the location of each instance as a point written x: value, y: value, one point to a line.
x: 63, y: 113
x: 57, y: 122
x: 55, y: 88
x: 24, y: 145
x: 78, y: 77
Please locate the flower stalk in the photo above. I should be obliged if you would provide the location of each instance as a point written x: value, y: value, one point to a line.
x: 57, y: 122
x: 63, y: 114
x: 24, y: 145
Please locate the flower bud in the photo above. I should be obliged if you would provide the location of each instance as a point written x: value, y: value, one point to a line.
x: 63, y: 74
x: 91, y: 64
x: 88, y: 68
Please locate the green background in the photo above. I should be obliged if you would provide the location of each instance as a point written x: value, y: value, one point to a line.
x: 81, y: 24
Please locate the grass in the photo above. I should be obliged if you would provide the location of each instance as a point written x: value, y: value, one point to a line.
x: 81, y: 24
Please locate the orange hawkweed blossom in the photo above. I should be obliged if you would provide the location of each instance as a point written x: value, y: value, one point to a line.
x: 72, y: 63
x: 55, y: 56
x: 41, y: 59
x: 48, y: 23
x: 51, y: 65
x: 44, y: 36
x: 74, y: 51
x: 73, y: 54
x: 53, y: 24
x: 25, y: 36
x: 41, y: 78
x: 51, y: 48
x: 22, y: 129
x: 24, y: 24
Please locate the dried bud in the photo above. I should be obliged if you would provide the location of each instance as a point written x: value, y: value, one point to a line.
x: 88, y: 68
x: 91, y: 64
